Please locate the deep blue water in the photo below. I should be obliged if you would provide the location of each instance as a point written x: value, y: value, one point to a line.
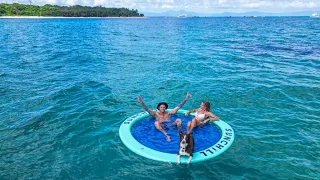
x: 66, y: 85
x: 204, y: 136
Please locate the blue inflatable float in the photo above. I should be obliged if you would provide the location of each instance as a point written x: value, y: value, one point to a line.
x: 125, y: 132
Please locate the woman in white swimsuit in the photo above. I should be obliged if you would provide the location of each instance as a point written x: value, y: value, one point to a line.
x: 202, y: 116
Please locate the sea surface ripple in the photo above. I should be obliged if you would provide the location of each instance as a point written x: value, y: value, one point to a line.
x: 66, y: 85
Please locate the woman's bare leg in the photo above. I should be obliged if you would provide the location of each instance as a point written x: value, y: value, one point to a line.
x: 192, y: 125
x: 189, y: 126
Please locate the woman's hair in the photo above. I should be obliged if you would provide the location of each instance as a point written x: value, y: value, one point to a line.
x: 162, y: 103
x: 206, y: 104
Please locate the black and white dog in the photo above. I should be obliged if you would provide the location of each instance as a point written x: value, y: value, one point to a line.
x: 186, y: 146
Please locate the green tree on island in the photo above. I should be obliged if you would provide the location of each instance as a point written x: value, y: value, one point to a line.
x: 64, y: 11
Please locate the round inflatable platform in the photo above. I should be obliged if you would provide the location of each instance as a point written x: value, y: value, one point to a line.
x: 143, y: 143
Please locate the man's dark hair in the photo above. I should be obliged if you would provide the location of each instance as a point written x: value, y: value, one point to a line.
x: 162, y: 103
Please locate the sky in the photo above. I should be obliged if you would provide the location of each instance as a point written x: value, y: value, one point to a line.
x: 200, y: 6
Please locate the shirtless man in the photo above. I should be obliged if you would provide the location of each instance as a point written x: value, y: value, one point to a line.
x: 163, y: 116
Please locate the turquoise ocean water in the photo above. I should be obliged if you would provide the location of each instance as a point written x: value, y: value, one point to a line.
x: 66, y: 85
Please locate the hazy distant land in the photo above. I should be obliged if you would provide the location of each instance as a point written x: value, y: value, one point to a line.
x: 226, y: 14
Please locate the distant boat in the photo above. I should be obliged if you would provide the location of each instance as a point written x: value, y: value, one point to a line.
x: 315, y: 15
x: 182, y: 16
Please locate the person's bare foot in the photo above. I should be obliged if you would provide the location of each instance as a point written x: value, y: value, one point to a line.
x: 168, y: 138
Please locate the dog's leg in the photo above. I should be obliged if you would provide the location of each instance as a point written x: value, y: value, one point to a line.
x: 178, y: 158
x: 189, y: 160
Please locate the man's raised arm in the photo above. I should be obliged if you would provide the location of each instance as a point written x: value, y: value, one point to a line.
x: 152, y: 113
x: 173, y: 111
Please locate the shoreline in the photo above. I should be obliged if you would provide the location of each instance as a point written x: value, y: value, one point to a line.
x: 57, y: 17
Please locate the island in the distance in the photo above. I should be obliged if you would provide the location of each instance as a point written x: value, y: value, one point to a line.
x: 47, y: 10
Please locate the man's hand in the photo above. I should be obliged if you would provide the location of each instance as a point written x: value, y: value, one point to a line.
x: 188, y: 96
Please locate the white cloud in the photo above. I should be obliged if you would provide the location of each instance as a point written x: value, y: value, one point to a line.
x: 166, y: 7
x: 299, y: 4
x: 188, y: 5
